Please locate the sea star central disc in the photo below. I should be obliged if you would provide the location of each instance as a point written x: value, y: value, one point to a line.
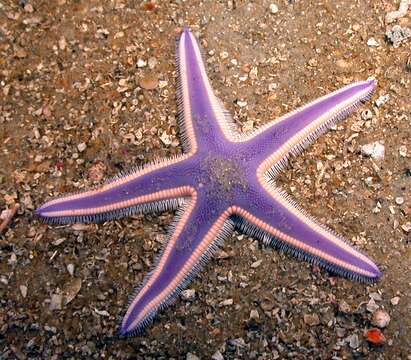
x: 223, y: 178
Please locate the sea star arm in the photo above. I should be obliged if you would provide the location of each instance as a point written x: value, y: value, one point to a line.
x: 154, y: 187
x: 203, y: 121
x: 278, y: 220
x: 294, y: 131
x: 193, y: 238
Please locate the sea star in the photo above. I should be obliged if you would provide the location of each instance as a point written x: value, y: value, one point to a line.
x: 225, y: 180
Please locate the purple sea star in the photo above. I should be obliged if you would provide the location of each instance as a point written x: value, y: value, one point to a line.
x: 224, y: 180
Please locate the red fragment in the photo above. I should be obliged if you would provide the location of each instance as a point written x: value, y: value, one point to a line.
x: 151, y: 5
x: 59, y: 164
x: 374, y: 336
x: 124, y: 151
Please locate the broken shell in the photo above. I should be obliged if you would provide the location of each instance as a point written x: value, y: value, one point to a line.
x: 380, y: 318
x: 149, y: 82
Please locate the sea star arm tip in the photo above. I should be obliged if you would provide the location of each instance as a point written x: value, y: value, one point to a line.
x: 202, y: 118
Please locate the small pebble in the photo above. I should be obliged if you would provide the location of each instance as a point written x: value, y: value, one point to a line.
x: 221, y: 254
x: 372, y: 42
x: 311, y: 319
x: 406, y: 227
x: 256, y: 264
x: 408, y: 64
x: 101, y: 312
x: 188, y: 294
x: 96, y: 171
x: 356, y: 27
x: 395, y: 300
x: 369, y: 180
x: 81, y: 147
x: 375, y: 296
x: 376, y: 150
x: 56, y: 301
x: 165, y: 138
x: 382, y: 100
x: 397, y: 35
x: 394, y: 15
x: 342, y: 64
x: 372, y: 306
x: 20, y: 53
x: 248, y: 126
x: 227, y: 302
x: 239, y: 342
x: 354, y: 341
x: 366, y: 114
x: 152, y: 62
x: 313, y: 62
x: 253, y: 73
x: 217, y: 356
x: 191, y: 356
x: 254, y: 314
x: 13, y: 259
x: 71, y: 290
x: 79, y: 227
x: 399, y: 200
x: 273, y: 9
x: 380, y: 318
x: 242, y: 103
x: 38, y: 158
x: 28, y: 8
x: 403, y: 151
x: 344, y: 307
x: 162, y: 84
x: 119, y: 35
x: 23, y: 290
x: 70, y: 269
x: 341, y: 332
x: 62, y: 43
x: 141, y: 63
x: 272, y: 86
x: 122, y: 82
x: 224, y: 55
x: 58, y: 241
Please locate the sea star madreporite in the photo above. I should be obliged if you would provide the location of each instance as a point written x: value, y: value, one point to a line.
x: 225, y: 180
